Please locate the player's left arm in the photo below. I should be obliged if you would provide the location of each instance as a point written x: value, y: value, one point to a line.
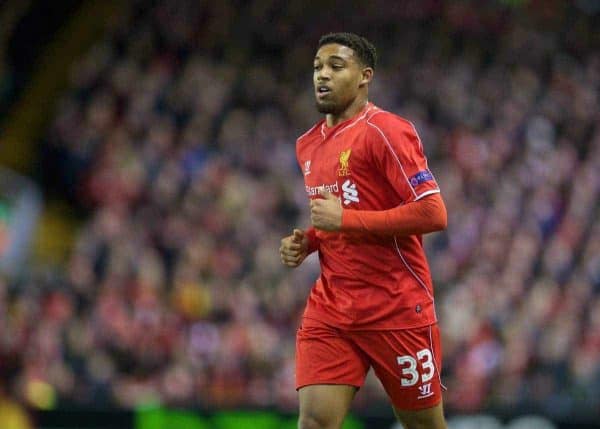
x: 423, y: 216
x: 418, y: 217
x: 396, y: 150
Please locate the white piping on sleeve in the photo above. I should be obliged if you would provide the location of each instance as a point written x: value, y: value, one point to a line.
x: 387, y: 142
x: 308, y: 132
x: 424, y: 194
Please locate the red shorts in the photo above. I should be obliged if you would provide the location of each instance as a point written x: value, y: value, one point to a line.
x: 407, y: 361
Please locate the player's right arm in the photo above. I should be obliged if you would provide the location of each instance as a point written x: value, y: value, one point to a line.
x: 297, y: 246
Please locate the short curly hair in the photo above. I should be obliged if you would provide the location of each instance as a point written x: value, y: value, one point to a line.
x: 364, y: 50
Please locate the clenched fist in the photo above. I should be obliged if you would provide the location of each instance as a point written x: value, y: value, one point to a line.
x: 294, y: 248
x: 326, y: 212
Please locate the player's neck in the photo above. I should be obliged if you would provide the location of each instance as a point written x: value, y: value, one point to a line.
x: 357, y: 105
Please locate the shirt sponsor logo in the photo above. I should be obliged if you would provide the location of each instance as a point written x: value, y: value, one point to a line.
x: 315, y: 190
x: 307, y: 167
x: 425, y: 391
x: 344, y: 161
x: 350, y: 193
x: 421, y: 177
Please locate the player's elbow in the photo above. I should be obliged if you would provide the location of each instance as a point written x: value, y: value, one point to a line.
x: 440, y: 221
x: 438, y: 215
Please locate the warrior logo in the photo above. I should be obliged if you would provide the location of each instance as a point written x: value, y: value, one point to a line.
x: 425, y: 391
x: 307, y: 168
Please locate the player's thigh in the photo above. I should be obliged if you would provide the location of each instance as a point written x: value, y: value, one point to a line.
x: 428, y: 418
x: 324, y: 406
x: 325, y: 355
x: 329, y: 370
x: 407, y: 363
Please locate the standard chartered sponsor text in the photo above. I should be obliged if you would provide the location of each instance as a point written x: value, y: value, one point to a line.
x: 314, y: 190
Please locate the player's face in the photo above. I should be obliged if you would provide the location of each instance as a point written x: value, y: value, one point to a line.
x: 337, y: 78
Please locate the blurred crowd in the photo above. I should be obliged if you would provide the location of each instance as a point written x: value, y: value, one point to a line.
x: 176, y: 140
x: 10, y: 13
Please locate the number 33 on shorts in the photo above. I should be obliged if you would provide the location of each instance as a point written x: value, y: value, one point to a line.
x: 410, y: 373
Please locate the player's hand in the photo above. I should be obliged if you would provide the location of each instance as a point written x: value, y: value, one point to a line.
x: 294, y: 248
x: 326, y: 212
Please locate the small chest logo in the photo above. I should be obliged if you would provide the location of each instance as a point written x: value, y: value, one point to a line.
x: 307, y: 167
x: 344, y: 161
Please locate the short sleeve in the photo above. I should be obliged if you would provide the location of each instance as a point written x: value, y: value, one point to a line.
x: 398, y: 153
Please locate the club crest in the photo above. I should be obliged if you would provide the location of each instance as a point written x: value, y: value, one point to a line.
x: 344, y: 163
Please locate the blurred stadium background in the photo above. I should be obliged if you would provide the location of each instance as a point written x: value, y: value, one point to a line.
x: 148, y: 174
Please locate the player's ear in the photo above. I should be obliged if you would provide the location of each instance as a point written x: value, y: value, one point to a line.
x: 367, y: 76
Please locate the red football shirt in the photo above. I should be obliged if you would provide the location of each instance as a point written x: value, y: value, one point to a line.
x: 373, y: 161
